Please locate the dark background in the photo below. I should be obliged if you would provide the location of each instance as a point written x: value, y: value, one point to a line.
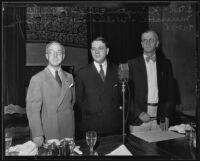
x: 27, y: 27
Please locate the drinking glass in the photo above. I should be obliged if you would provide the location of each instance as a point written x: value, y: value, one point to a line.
x: 8, y: 141
x: 193, y: 125
x: 72, y: 145
x: 91, y: 138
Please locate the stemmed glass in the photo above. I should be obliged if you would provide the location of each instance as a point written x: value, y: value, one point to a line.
x: 8, y: 141
x: 91, y: 138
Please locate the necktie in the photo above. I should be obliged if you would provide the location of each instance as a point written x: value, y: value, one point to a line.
x: 58, y: 79
x: 153, y: 58
x: 102, y: 73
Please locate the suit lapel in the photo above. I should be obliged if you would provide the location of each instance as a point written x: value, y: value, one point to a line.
x: 159, y: 71
x: 143, y: 72
x: 96, y: 74
x: 66, y: 83
x: 109, y: 76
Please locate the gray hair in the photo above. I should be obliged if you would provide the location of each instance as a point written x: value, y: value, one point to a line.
x: 55, y: 42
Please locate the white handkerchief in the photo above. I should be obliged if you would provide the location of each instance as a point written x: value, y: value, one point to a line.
x: 26, y: 149
x: 121, y: 150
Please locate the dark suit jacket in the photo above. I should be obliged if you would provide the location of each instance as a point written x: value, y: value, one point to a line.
x: 98, y: 101
x: 139, y: 88
x: 50, y: 108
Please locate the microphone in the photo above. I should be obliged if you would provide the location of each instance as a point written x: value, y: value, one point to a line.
x: 123, y: 76
x: 123, y: 72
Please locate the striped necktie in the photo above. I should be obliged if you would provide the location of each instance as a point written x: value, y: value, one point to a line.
x: 101, y: 72
x: 58, y: 79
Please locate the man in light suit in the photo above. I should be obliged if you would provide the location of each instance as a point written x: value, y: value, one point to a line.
x: 50, y: 99
x: 151, y: 82
x: 97, y: 92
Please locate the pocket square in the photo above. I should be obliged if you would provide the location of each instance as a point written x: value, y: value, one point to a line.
x: 71, y: 85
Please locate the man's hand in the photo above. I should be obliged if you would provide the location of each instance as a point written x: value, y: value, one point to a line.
x: 38, y: 140
x: 164, y: 125
x: 144, y: 117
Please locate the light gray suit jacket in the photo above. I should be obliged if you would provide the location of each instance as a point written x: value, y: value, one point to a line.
x: 49, y: 107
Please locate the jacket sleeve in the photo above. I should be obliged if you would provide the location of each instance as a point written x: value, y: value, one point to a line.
x: 135, y: 109
x: 33, y: 107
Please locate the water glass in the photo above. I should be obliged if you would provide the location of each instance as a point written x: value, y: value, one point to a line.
x: 8, y: 141
x: 63, y: 148
x: 72, y: 145
x: 190, y: 131
x: 91, y: 138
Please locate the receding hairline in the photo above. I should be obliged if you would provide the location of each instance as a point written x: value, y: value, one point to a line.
x: 56, y: 43
x: 150, y: 31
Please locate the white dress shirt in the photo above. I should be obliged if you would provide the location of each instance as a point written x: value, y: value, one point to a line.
x: 104, y: 66
x: 152, y: 81
x: 53, y: 71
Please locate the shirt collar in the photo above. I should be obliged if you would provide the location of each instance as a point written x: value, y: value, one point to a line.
x: 145, y: 56
x: 97, y: 65
x: 52, y: 70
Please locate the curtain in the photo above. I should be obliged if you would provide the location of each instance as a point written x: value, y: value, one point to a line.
x: 13, y: 55
x: 122, y: 28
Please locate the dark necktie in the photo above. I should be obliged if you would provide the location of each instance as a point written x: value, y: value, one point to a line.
x: 58, y: 79
x: 102, y: 73
x: 153, y: 58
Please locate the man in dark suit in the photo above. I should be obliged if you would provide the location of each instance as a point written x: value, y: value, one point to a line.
x: 50, y: 99
x: 151, y: 82
x: 97, y: 93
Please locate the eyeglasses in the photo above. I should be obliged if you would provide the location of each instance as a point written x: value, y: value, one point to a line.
x: 148, y: 41
x: 55, y: 53
x: 101, y: 48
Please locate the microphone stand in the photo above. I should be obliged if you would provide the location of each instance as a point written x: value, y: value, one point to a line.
x: 123, y: 110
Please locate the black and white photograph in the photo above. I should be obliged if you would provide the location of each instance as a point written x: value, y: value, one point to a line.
x: 100, y: 80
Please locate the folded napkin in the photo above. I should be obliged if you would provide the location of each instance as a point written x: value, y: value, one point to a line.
x: 180, y: 128
x: 121, y: 150
x: 26, y: 149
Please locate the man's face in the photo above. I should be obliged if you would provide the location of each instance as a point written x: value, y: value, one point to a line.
x: 55, y: 55
x: 149, y: 42
x: 99, y: 51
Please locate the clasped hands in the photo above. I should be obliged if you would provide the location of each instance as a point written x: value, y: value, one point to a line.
x: 145, y: 117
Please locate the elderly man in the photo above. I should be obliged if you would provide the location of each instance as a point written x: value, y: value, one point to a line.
x: 50, y: 99
x: 151, y: 82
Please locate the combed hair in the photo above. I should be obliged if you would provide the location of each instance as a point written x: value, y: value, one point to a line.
x: 102, y: 39
x: 150, y: 30
x: 55, y: 42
